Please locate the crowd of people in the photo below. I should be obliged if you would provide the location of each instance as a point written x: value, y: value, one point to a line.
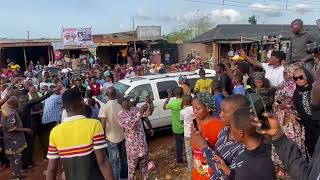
x: 213, y: 123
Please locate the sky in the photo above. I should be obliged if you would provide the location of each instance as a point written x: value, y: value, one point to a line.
x: 45, y: 18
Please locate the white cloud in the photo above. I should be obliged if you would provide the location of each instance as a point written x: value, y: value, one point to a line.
x: 226, y: 15
x: 301, y: 8
x: 266, y: 9
x: 214, y: 16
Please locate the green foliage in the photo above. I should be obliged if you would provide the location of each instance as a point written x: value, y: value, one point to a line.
x: 252, y: 19
x: 180, y: 36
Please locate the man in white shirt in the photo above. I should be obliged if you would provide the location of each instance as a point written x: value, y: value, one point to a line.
x: 273, y: 69
x: 114, y: 135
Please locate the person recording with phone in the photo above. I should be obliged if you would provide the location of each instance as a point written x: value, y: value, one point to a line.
x: 208, y: 127
x: 226, y: 146
x: 258, y: 163
x: 294, y: 162
x: 298, y: 45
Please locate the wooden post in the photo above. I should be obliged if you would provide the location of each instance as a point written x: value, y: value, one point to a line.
x: 49, y: 54
x: 25, y: 57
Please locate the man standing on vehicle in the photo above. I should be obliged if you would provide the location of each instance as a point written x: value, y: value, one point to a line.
x: 297, y: 50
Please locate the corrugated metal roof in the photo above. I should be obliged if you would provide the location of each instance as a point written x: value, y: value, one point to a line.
x: 235, y: 31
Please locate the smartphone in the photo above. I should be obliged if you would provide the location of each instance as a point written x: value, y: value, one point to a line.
x: 195, y: 124
x: 259, y: 109
x: 318, y: 23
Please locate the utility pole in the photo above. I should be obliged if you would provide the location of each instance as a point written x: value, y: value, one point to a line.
x: 28, y: 35
x: 133, y: 33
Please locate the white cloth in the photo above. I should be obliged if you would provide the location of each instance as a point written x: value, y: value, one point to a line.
x: 64, y: 115
x: 187, y: 116
x: 274, y: 75
x: 66, y: 70
x: 107, y: 84
x: 130, y: 75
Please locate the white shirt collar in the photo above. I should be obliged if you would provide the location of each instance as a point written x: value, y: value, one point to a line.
x: 72, y: 118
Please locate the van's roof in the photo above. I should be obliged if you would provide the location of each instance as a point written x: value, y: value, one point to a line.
x: 142, y: 79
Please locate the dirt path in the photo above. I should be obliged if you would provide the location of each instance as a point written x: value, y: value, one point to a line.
x: 162, y: 152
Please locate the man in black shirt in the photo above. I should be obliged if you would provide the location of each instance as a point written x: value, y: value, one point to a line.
x: 225, y: 80
x: 25, y: 115
x: 257, y: 163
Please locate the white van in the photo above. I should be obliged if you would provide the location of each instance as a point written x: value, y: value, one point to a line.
x: 156, y: 86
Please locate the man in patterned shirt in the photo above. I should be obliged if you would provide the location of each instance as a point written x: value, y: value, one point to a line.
x: 83, y: 152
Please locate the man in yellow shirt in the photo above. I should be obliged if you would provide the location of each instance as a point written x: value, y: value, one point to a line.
x: 203, y: 84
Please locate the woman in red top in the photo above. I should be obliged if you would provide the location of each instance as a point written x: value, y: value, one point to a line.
x: 94, y: 86
x: 209, y: 128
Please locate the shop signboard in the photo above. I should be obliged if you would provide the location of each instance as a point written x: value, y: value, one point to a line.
x: 80, y: 37
x: 148, y: 33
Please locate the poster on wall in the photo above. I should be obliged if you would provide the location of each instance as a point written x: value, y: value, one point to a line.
x: 80, y: 37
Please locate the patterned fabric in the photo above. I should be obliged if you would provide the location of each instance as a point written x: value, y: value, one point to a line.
x: 230, y: 151
x: 293, y: 130
x: 147, y: 109
x: 14, y: 143
x: 52, y: 109
x: 136, y: 144
x: 207, y: 99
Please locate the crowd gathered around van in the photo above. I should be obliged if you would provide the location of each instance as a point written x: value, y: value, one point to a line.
x: 254, y: 121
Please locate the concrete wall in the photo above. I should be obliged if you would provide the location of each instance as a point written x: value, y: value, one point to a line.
x: 197, y: 49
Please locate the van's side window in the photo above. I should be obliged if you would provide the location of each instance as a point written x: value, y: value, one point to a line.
x: 164, y: 86
x: 141, y: 92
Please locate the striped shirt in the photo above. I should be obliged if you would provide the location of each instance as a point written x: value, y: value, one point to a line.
x: 229, y: 150
x: 74, y: 141
x: 52, y: 109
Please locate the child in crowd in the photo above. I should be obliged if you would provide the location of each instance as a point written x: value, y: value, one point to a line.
x: 218, y: 97
x: 258, y: 163
x: 238, y: 85
x: 13, y: 136
x: 187, y: 116
x: 175, y: 106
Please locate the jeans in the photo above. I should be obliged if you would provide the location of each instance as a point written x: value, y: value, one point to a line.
x: 310, y: 66
x: 188, y: 152
x: 118, y: 159
x: 179, y: 147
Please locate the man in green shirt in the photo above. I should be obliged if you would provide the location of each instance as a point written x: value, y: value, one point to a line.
x: 175, y: 106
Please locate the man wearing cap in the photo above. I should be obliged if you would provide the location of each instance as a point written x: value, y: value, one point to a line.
x: 297, y: 50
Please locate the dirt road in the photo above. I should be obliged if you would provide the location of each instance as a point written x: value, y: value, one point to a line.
x: 161, y: 150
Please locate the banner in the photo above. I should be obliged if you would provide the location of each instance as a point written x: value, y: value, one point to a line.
x: 148, y: 33
x: 80, y: 37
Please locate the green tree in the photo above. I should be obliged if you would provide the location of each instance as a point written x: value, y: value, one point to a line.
x: 252, y: 19
x: 180, y: 36
x: 198, y: 23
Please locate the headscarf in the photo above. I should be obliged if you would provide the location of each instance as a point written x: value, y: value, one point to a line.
x: 207, y: 99
x: 289, y: 69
